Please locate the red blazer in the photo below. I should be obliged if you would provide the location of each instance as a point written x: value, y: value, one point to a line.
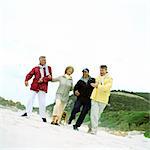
x: 35, y: 86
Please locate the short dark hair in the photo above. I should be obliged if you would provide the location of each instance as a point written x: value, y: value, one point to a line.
x: 103, y: 67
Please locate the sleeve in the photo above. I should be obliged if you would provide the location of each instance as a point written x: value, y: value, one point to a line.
x: 56, y: 79
x: 92, y: 80
x: 46, y: 79
x: 30, y: 75
x: 76, y: 87
x: 96, y: 80
x: 72, y: 87
x: 107, y: 86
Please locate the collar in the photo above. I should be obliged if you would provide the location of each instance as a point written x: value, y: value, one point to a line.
x: 67, y: 77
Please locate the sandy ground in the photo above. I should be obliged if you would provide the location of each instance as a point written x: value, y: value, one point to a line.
x: 30, y: 133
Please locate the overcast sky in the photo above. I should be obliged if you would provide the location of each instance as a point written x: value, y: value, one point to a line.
x: 80, y: 33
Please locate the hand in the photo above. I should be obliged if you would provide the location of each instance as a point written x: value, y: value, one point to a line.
x: 94, y: 85
x: 40, y: 80
x: 77, y: 93
x: 49, y: 76
x: 26, y: 83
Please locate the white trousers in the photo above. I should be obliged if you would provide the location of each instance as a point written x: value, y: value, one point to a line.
x: 42, y: 103
x: 96, y: 110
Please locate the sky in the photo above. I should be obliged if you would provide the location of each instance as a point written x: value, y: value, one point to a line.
x: 81, y: 33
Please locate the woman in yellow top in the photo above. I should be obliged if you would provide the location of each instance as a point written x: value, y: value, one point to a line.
x: 99, y: 97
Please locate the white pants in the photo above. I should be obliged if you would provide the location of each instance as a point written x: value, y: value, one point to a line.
x: 96, y: 110
x: 41, y: 98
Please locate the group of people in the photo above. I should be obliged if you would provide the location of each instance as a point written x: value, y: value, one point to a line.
x: 92, y: 94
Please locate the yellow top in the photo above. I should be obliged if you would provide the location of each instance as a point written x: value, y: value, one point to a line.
x: 102, y: 92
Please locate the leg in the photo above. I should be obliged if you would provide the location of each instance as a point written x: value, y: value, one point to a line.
x: 62, y: 107
x: 94, y: 116
x: 42, y: 105
x: 101, y: 109
x: 57, y: 111
x: 83, y: 113
x: 75, y: 110
x: 29, y: 106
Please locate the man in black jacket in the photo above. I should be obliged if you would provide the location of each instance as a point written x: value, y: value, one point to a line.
x: 83, y: 91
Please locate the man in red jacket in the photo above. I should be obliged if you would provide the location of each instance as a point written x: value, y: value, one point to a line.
x: 42, y: 75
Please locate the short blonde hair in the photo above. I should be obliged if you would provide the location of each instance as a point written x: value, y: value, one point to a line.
x: 42, y: 57
x: 69, y: 67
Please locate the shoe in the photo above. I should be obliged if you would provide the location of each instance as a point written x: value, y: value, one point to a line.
x: 93, y: 132
x: 89, y: 130
x: 44, y: 119
x: 53, y: 123
x: 69, y: 122
x: 57, y: 124
x: 24, y: 115
x: 75, y: 128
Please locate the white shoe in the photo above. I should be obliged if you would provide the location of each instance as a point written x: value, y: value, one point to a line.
x: 89, y: 130
x: 93, y: 132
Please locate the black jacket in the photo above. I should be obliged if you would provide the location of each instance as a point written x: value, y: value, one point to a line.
x: 85, y: 89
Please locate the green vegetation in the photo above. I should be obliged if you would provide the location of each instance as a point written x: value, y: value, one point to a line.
x: 127, y: 102
x: 10, y: 103
x: 144, y: 95
x: 125, y: 120
x: 147, y: 134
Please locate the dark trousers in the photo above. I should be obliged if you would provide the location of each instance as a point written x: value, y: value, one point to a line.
x: 86, y: 106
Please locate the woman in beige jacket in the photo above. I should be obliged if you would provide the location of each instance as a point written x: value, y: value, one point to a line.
x: 62, y: 94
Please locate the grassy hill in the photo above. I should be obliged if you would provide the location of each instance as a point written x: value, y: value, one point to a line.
x: 127, y: 102
x: 144, y: 95
x: 126, y: 111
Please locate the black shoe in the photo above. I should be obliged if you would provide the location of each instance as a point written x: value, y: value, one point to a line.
x: 75, y: 128
x: 44, y: 119
x: 57, y: 124
x: 69, y: 122
x: 24, y: 115
x: 53, y: 123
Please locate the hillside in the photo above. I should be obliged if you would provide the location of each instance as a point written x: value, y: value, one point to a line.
x: 144, y: 95
x: 127, y: 102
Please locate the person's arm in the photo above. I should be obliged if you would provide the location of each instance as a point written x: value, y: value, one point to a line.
x: 95, y: 85
x: 76, y: 89
x: 49, y: 77
x: 29, y: 76
x: 72, y: 87
x: 56, y: 79
x: 106, y: 87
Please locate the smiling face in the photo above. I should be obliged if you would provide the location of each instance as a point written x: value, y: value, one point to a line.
x: 69, y: 70
x: 42, y: 60
x: 103, y: 70
x: 85, y: 74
